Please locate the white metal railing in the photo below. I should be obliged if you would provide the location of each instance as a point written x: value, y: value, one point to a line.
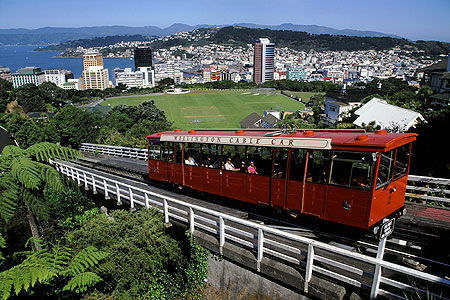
x: 316, y: 257
x: 429, y: 189
x: 128, y: 152
x: 419, y: 188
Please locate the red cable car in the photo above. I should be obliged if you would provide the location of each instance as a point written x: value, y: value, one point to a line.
x: 344, y: 176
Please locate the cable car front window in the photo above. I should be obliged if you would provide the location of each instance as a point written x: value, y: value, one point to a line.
x: 353, y: 169
x: 154, y: 150
x: 384, y: 175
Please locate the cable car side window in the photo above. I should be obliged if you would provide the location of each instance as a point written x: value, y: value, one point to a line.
x: 353, y: 169
x: 261, y: 157
x: 318, y: 166
x: 386, y: 167
x: 166, y: 151
x: 280, y: 164
x: 234, y: 158
x: 297, y: 167
x: 154, y: 150
x: 178, y: 152
x: 402, y: 161
x: 211, y: 155
x: 192, y: 154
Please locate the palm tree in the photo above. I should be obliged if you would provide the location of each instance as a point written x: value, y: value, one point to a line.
x: 23, y: 176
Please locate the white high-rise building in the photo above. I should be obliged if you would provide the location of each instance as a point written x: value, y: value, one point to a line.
x: 129, y: 78
x: 57, y: 76
x: 263, y: 61
x: 148, y: 76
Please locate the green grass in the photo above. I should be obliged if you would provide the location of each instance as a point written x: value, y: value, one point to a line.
x: 214, y: 109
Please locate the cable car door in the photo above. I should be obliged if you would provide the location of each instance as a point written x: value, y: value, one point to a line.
x: 315, y: 184
x: 212, y: 169
x: 295, y: 180
x: 163, y: 165
x: 278, y: 181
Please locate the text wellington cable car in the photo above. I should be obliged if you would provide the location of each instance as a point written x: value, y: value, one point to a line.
x: 348, y: 177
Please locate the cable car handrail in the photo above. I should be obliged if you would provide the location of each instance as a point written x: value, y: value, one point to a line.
x: 262, y: 233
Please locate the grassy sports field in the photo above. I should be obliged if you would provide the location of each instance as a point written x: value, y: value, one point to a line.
x: 213, y: 109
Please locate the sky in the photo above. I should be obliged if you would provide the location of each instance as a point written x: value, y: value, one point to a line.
x: 412, y: 19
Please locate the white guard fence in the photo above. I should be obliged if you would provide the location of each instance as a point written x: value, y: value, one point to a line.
x: 420, y: 188
x: 376, y: 276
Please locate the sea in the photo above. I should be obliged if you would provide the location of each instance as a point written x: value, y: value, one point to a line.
x: 16, y: 57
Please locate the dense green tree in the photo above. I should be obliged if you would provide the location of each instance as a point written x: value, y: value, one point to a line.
x: 429, y: 155
x: 118, y: 120
x: 407, y: 99
x: 6, y: 88
x: 29, y: 97
x: 29, y: 133
x: 76, y: 126
x: 50, y: 92
x: 144, y: 111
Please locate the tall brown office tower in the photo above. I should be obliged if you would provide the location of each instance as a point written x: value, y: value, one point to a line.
x: 92, y: 59
x: 263, y: 61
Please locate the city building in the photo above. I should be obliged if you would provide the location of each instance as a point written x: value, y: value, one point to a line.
x: 338, y: 103
x: 143, y: 57
x: 5, y: 73
x: 148, y: 76
x: 58, y: 76
x: 32, y: 75
x: 72, y: 84
x: 95, y: 77
x: 434, y: 74
x: 296, y: 73
x: 263, y: 61
x: 92, y: 58
x: 129, y: 78
x: 254, y: 120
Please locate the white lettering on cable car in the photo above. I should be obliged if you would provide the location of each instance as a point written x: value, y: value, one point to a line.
x: 292, y: 142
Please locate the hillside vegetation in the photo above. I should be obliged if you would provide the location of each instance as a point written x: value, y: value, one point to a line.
x: 306, y: 41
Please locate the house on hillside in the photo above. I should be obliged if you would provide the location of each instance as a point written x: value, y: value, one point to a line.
x: 254, y: 120
x: 338, y: 103
x: 437, y: 77
x: 389, y: 117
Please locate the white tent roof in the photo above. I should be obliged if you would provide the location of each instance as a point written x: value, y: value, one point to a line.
x: 387, y: 116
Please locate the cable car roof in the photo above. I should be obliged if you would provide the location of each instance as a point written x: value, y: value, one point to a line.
x: 310, y: 139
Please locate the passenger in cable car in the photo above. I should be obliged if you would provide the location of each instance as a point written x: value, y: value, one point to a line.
x: 251, y: 169
x: 190, y: 161
x: 229, y: 166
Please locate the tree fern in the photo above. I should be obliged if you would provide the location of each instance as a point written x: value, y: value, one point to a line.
x: 26, y: 172
x: 81, y: 282
x: 44, y: 151
x: 45, y: 265
x: 8, y: 196
x: 36, y: 205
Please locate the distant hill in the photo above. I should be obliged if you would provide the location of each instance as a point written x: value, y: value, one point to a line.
x: 238, y: 35
x: 315, y: 29
x: 54, y: 35
x: 241, y: 36
x: 94, y: 42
